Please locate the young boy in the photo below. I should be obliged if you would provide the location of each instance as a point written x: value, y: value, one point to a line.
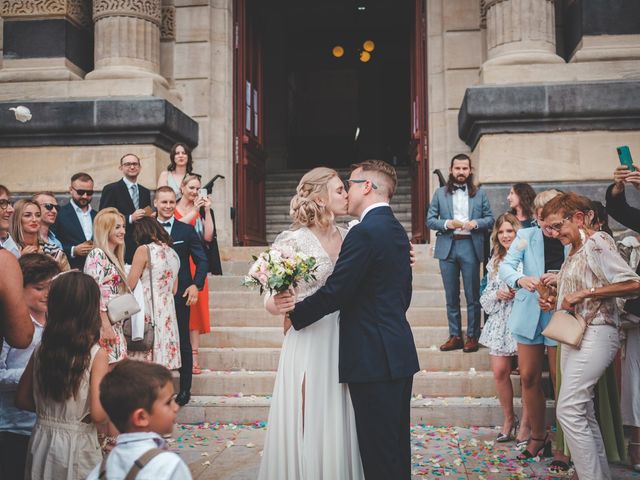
x: 140, y: 401
x: 16, y: 424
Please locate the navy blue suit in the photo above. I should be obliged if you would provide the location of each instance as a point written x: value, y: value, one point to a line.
x: 187, y: 243
x: 371, y: 286
x: 117, y: 195
x: 69, y: 231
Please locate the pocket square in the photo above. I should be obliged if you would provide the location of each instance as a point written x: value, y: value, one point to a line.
x: 178, y: 241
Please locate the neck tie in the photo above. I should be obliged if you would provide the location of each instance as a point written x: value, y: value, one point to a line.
x: 460, y: 187
x: 135, y: 196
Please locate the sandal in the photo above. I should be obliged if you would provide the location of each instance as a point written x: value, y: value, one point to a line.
x: 558, y: 468
x: 543, y: 451
x: 195, y: 369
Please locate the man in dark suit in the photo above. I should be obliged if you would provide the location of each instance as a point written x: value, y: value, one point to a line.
x: 371, y: 286
x: 74, y: 224
x: 129, y: 198
x: 460, y: 215
x: 186, y: 243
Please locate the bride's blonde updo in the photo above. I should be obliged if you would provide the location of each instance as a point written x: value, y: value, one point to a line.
x: 304, y: 210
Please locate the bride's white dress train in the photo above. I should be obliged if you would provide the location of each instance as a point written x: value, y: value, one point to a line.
x: 318, y: 441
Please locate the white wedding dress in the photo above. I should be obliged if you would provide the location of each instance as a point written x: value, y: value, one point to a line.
x: 321, y: 442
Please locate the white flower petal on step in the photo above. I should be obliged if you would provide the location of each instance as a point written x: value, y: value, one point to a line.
x: 230, y: 444
x: 206, y: 464
x: 22, y: 113
x: 472, y: 371
x: 250, y: 445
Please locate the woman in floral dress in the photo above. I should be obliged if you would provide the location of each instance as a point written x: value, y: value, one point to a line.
x: 155, y: 249
x: 105, y: 263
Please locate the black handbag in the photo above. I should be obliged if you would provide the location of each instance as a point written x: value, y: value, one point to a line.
x: 211, y: 248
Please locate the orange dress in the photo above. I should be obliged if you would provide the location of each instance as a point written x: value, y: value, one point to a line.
x: 199, y: 313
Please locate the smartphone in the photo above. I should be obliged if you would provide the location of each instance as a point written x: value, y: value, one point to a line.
x: 625, y: 157
x: 202, y: 193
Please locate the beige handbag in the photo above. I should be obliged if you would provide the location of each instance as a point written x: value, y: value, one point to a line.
x: 568, y: 327
x: 124, y: 305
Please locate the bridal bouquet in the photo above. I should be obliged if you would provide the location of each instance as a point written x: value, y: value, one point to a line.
x: 277, y: 269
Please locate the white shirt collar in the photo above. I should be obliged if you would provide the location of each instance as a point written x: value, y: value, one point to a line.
x: 371, y: 207
x: 141, y: 436
x: 128, y: 183
x: 78, y: 209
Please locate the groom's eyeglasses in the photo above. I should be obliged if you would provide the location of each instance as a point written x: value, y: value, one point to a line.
x: 349, y: 181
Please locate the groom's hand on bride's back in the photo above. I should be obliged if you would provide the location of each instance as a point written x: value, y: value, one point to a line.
x: 412, y: 255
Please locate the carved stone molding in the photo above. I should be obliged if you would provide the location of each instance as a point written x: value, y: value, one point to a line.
x: 168, y: 24
x: 144, y: 9
x: 78, y: 11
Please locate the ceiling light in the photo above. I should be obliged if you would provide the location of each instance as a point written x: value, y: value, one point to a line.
x: 365, y: 56
x: 337, y: 51
x: 369, y: 46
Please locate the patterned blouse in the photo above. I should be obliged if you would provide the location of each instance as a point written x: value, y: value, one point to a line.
x: 596, y: 264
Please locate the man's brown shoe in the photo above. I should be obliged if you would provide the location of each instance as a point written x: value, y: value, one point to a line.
x: 454, y: 343
x: 471, y: 345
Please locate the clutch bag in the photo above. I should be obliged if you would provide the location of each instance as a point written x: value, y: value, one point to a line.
x: 121, y: 307
x: 566, y: 327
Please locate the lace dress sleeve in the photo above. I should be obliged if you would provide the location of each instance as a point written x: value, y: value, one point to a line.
x: 489, y: 299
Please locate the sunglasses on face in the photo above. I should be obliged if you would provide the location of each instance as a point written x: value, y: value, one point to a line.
x: 4, y: 203
x: 82, y: 193
x: 51, y: 206
x: 349, y: 181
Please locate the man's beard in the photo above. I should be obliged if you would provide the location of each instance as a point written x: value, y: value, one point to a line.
x: 453, y: 179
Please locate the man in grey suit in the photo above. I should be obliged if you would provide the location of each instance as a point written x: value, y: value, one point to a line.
x: 460, y: 215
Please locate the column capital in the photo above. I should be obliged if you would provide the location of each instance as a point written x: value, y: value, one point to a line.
x: 143, y: 9
x: 77, y: 11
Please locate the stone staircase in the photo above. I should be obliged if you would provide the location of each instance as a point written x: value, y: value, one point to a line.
x: 240, y: 356
x: 281, y: 185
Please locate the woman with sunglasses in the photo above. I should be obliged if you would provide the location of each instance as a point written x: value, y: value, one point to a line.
x: 25, y: 230
x: 181, y: 165
x: 190, y: 209
x: 591, y: 278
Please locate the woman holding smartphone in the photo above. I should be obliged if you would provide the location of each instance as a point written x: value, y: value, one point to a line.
x: 189, y: 209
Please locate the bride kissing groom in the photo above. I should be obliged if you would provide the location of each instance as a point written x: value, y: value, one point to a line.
x: 348, y: 363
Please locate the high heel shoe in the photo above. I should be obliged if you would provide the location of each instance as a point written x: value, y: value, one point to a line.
x: 634, y: 466
x: 543, y: 451
x: 511, y: 434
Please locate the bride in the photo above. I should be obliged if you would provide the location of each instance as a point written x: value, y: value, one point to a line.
x: 311, y: 431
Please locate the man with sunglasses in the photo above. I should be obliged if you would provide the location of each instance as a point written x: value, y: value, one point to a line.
x: 74, y: 225
x: 6, y: 212
x: 49, y: 212
x: 129, y: 197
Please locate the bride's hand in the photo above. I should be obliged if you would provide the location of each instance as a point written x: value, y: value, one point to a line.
x: 286, y: 325
x: 285, y: 301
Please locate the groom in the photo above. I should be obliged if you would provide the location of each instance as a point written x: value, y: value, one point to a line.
x: 371, y: 286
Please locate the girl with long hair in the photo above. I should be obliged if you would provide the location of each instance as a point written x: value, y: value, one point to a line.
x: 180, y: 166
x: 196, y: 211
x: 25, y: 231
x: 61, y: 383
x: 497, y: 301
x: 105, y: 263
x: 521, y: 197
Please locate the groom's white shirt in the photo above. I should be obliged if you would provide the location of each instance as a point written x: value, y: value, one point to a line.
x: 371, y: 207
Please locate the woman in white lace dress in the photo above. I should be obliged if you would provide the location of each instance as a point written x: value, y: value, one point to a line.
x: 311, y: 431
x: 497, y: 300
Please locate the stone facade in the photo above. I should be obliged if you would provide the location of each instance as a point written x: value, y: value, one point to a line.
x: 181, y: 51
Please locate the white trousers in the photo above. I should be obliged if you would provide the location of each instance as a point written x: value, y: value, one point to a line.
x: 630, y: 397
x: 581, y: 370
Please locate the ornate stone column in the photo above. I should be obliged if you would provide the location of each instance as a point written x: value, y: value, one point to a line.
x: 127, y: 39
x: 520, y: 32
x: 168, y: 44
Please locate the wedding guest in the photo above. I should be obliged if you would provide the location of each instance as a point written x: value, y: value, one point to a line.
x: 461, y: 215
x: 16, y: 328
x: 190, y: 209
x: 25, y: 230
x: 181, y: 165
x: 520, y: 199
x: 16, y: 424
x: 590, y: 279
x: 105, y: 264
x: 497, y: 301
x: 61, y: 383
x: 129, y: 197
x: 621, y: 211
x: 156, y: 265
x: 49, y: 212
x: 74, y: 225
x: 6, y: 213
x: 139, y: 399
x: 187, y: 244
x: 537, y: 253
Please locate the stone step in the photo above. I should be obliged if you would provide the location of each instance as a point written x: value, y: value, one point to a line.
x: 266, y: 359
x: 458, y: 411
x: 432, y: 384
x: 252, y: 299
x: 233, y: 283
x: 246, y: 317
x: 263, y: 337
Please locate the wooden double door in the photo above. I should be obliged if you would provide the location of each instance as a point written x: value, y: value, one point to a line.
x: 249, y: 142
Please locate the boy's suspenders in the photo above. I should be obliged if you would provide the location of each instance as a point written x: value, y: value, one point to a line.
x: 138, y: 465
